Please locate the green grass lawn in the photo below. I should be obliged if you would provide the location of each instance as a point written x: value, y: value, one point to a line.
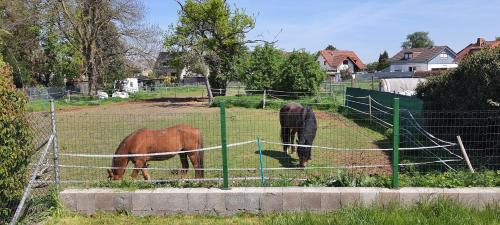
x: 100, y: 132
x: 433, y: 213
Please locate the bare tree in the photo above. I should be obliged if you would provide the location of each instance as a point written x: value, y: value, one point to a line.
x: 85, y: 22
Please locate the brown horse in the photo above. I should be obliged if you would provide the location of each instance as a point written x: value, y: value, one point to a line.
x: 145, y: 141
x: 294, y: 118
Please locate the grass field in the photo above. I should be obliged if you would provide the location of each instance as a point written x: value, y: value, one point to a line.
x: 433, y: 213
x: 77, y: 101
x: 99, y: 130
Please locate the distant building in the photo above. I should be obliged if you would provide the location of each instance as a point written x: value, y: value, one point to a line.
x: 423, y: 59
x: 476, y: 47
x: 333, y: 61
x: 162, y: 67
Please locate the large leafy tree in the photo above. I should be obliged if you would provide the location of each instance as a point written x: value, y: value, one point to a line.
x: 20, y: 46
x: 264, y: 67
x: 383, y: 61
x: 418, y: 39
x: 300, y: 73
x: 210, y: 36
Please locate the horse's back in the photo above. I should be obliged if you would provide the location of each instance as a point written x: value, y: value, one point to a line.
x: 291, y: 115
x: 174, y: 138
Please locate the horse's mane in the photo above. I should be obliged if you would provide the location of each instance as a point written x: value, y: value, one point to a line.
x: 309, y: 123
x: 121, y: 150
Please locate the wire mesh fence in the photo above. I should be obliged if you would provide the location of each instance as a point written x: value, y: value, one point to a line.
x: 33, y: 203
x: 356, y: 137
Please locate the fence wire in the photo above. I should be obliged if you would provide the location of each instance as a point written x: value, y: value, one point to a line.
x: 40, y: 174
x: 354, y: 134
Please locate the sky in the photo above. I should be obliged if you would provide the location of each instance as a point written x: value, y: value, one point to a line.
x: 367, y: 27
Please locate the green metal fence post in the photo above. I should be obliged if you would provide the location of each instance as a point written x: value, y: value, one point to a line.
x: 259, y: 145
x: 395, y: 145
x: 224, y: 144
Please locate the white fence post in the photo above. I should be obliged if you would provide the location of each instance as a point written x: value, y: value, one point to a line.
x: 465, y: 154
x: 264, y: 100
x: 54, y: 144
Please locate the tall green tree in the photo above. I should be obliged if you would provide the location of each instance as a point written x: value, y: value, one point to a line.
x: 62, y: 60
x: 383, y: 61
x: 301, y: 73
x: 210, y: 36
x: 497, y: 38
x: 417, y: 39
x: 20, y: 49
x: 264, y: 67
x: 330, y: 47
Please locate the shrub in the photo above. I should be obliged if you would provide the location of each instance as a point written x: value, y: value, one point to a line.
x: 300, y: 73
x: 474, y: 85
x: 15, y: 143
x: 264, y: 67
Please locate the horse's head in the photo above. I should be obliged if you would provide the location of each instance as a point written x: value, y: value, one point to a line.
x: 113, y: 176
x: 118, y: 168
x: 307, y: 137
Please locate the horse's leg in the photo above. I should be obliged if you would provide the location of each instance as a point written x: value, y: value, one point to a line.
x: 285, y: 138
x: 185, y: 163
x: 292, y: 140
x: 140, y: 165
x: 195, y: 158
x: 135, y: 171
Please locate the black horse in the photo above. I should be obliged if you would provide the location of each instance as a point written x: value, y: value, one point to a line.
x: 294, y: 118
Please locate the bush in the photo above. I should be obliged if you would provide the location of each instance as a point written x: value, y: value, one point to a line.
x: 474, y: 85
x: 15, y: 143
x: 264, y: 68
x: 300, y: 73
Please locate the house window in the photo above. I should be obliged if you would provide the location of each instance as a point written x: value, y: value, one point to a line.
x: 412, y: 68
x: 408, y: 55
x: 443, y: 55
x: 324, y: 62
x: 131, y: 84
x: 346, y: 62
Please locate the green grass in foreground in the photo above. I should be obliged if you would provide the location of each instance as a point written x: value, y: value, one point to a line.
x: 483, y: 178
x: 437, y: 212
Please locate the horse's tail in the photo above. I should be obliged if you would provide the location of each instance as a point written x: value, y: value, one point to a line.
x: 200, y: 154
x: 200, y: 146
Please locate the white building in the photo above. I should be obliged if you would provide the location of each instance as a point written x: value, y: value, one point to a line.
x: 334, y: 61
x: 423, y: 59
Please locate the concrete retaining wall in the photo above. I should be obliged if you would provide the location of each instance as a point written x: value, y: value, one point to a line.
x: 276, y: 199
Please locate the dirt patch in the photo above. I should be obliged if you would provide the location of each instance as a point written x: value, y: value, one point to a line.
x: 163, y: 105
x: 333, y: 117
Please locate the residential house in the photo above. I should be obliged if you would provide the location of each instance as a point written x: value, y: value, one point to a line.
x: 334, y: 61
x: 423, y: 59
x: 476, y: 47
x: 162, y: 68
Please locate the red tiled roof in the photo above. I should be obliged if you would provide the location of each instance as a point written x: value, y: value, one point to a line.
x: 334, y: 58
x: 480, y: 44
